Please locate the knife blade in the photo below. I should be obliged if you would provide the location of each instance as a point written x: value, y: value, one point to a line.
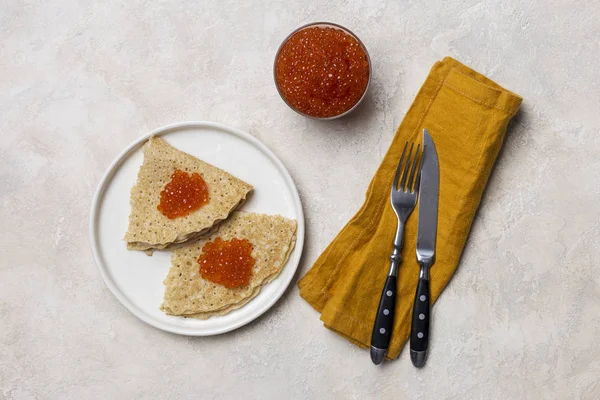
x: 429, y: 186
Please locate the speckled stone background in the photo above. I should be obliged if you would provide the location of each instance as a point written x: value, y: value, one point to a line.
x: 80, y: 80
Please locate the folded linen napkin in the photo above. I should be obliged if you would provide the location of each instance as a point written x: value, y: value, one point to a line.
x: 466, y: 114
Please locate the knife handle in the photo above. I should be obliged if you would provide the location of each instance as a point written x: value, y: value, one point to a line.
x: 384, y: 321
x: 419, y: 333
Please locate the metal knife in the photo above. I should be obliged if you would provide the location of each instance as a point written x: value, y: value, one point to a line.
x: 428, y: 214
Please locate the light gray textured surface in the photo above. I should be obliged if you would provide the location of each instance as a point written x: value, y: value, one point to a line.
x: 80, y: 80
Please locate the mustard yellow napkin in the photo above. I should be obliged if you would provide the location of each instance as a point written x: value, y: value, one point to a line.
x: 466, y: 114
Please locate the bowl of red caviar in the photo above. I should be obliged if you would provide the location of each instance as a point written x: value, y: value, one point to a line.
x: 322, y: 70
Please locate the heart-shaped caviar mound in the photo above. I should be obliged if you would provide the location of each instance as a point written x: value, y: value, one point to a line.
x: 183, y: 194
x: 228, y: 263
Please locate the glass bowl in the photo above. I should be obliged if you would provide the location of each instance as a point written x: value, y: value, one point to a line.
x: 324, y: 25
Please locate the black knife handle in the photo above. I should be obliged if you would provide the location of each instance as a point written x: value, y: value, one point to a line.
x: 384, y: 321
x: 419, y: 332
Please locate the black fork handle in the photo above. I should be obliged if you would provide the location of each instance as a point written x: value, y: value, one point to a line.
x: 384, y: 321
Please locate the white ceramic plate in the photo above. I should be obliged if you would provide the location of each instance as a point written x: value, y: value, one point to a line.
x: 136, y: 279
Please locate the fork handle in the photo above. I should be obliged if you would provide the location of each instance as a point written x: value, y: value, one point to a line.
x: 384, y: 321
x: 419, y: 333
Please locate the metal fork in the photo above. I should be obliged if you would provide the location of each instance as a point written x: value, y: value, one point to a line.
x: 403, y: 197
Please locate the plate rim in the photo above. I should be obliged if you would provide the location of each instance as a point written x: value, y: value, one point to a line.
x: 113, y: 287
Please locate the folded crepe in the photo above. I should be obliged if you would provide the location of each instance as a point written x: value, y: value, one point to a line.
x: 188, y: 294
x: 148, y: 228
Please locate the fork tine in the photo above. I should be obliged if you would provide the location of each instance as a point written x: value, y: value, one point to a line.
x: 405, y: 173
x: 395, y: 184
x: 412, y: 169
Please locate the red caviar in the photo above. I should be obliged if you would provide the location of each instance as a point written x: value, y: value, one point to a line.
x: 228, y: 263
x: 183, y: 194
x: 322, y: 71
